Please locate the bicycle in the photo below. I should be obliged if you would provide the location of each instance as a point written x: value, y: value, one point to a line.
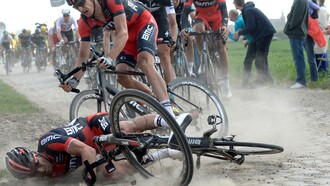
x: 7, y: 58
x: 224, y: 148
x: 135, y: 150
x: 189, y: 96
x: 65, y: 56
x: 180, y: 60
x: 41, y: 58
x: 209, y: 70
x: 26, y: 59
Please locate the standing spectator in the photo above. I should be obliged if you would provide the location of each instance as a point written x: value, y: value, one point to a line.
x: 262, y: 32
x: 251, y: 52
x: 296, y: 28
x: 321, y: 54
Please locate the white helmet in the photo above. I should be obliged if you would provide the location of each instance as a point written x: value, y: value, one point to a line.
x: 65, y: 11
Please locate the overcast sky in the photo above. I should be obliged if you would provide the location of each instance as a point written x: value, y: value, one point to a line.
x: 18, y: 14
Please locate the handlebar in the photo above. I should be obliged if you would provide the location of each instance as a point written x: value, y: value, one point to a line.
x: 89, y: 63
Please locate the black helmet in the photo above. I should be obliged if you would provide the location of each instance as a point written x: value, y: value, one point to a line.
x: 21, y: 163
x: 24, y: 30
x: 37, y: 31
x: 70, y: 2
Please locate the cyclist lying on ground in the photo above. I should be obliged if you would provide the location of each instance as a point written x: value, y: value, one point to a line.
x: 62, y: 150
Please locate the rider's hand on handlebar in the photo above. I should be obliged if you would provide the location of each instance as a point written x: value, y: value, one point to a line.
x: 104, y: 62
x: 70, y: 84
x: 224, y: 32
x: 184, y: 33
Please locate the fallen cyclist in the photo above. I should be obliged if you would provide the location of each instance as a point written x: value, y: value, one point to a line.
x: 62, y: 150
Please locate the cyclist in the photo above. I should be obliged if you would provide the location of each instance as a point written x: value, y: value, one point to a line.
x: 210, y: 15
x: 14, y: 45
x: 134, y: 41
x: 178, y: 4
x: 25, y: 44
x: 62, y: 150
x: 64, y: 29
x: 7, y: 44
x: 164, y: 14
x: 52, y: 41
x: 38, y: 39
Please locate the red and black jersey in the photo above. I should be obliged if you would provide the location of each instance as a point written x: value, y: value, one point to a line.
x: 207, y: 10
x: 112, y: 8
x: 54, y: 144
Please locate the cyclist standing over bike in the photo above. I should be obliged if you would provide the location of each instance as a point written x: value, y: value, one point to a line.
x: 7, y: 44
x: 38, y: 39
x: 210, y: 14
x: 134, y: 42
x: 25, y: 44
x: 63, y: 150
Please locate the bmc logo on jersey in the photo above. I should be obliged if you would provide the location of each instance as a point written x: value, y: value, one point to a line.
x: 49, y: 138
x: 204, y: 3
x: 147, y: 33
x: 73, y: 129
x: 104, y: 123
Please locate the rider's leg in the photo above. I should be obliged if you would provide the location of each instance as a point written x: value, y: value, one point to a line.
x: 128, y: 81
x: 190, y: 56
x: 145, y: 62
x: 199, y: 27
x: 222, y: 50
x: 164, y: 53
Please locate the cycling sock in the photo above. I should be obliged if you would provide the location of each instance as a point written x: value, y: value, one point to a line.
x: 167, y: 104
x: 160, y: 122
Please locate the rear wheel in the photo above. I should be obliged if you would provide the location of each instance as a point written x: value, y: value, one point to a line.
x: 192, y: 96
x: 171, y: 164
x: 247, y: 148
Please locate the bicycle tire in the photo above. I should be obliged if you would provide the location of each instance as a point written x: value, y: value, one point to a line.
x: 38, y: 60
x: 248, y: 148
x: 85, y: 103
x: 203, y: 97
x: 173, y: 172
x: 6, y: 64
x: 180, y: 65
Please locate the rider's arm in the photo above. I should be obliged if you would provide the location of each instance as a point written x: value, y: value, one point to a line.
x: 172, y: 22
x: 86, y: 152
x: 184, y: 15
x: 58, y: 30
x: 106, y: 40
x: 120, y: 37
x: 224, y: 12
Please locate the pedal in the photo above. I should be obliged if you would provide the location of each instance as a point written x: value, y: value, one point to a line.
x: 110, y: 167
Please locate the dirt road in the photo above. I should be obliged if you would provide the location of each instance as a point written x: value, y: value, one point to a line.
x: 298, y: 120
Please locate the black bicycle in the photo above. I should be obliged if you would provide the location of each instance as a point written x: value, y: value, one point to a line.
x: 160, y: 156
x: 188, y: 96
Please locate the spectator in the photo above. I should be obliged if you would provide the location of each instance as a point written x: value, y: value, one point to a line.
x: 262, y: 32
x: 297, y: 28
x: 321, y: 54
x: 251, y: 52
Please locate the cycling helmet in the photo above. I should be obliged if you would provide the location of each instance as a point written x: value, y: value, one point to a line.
x: 70, y: 2
x: 65, y: 11
x: 43, y: 29
x: 21, y: 163
x: 37, y: 31
x: 24, y: 30
x: 5, y: 33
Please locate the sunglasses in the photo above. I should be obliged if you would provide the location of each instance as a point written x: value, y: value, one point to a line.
x: 79, y: 3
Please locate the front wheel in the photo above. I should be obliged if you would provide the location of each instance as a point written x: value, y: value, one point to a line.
x: 162, y: 162
x: 191, y: 96
x: 85, y: 103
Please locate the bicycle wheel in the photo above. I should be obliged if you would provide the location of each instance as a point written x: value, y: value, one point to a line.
x: 171, y: 165
x: 6, y: 59
x: 247, y: 148
x: 192, y: 96
x: 180, y: 65
x: 38, y: 60
x: 85, y: 103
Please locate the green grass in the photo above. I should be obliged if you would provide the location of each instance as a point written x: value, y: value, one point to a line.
x: 14, y: 103
x: 280, y: 63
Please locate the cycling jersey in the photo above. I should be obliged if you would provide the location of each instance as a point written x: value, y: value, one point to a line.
x: 24, y: 39
x: 54, y: 144
x: 178, y: 11
x: 38, y: 40
x: 142, y: 28
x: 66, y: 26
x: 213, y: 13
x: 6, y: 42
x: 52, y: 33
